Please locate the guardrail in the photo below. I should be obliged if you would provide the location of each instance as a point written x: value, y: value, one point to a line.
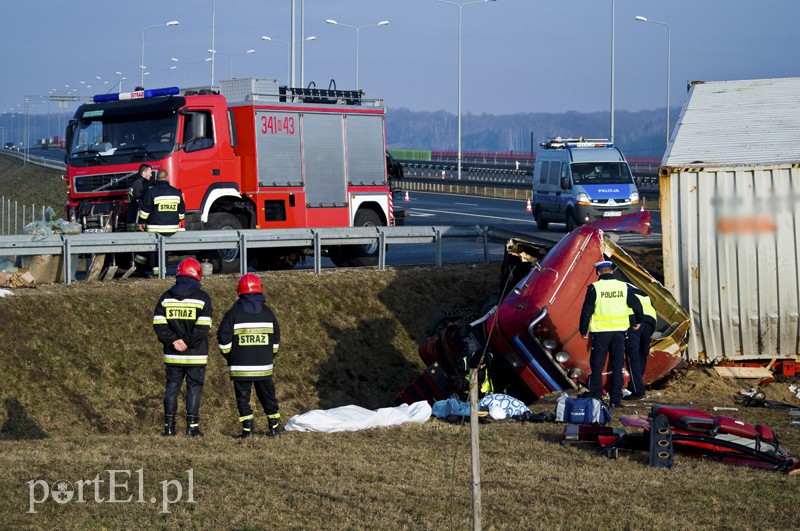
x: 36, y: 159
x: 68, y: 247
x: 499, y: 176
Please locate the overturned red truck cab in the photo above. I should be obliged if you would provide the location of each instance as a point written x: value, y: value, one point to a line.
x: 528, y: 335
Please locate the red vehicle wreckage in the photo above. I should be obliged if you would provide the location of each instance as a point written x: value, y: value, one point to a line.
x: 528, y: 336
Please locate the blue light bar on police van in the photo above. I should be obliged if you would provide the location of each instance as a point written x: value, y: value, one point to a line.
x: 150, y: 93
x: 561, y: 143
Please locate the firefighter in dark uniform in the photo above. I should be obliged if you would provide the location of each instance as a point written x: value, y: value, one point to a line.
x: 248, y: 338
x: 637, y: 345
x: 182, y: 320
x: 606, y: 314
x: 140, y: 183
x: 161, y: 211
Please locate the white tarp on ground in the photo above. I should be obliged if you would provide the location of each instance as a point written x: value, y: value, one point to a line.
x: 353, y: 418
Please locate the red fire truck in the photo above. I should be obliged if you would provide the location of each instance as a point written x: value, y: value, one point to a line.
x: 250, y: 155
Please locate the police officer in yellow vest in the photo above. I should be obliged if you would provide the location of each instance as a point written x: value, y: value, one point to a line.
x: 637, y: 345
x: 605, y: 313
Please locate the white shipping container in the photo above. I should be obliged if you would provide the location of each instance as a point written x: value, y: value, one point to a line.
x: 731, y: 236
x: 731, y: 258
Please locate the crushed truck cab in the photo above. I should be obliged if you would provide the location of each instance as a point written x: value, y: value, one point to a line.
x: 528, y: 334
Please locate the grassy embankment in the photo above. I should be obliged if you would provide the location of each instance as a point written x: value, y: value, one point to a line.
x: 82, y: 389
x: 31, y: 185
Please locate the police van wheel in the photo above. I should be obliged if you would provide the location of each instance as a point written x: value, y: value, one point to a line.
x: 541, y: 223
x: 570, y: 221
x: 225, y: 261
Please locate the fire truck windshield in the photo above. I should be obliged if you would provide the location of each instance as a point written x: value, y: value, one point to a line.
x: 107, y: 139
x: 601, y: 173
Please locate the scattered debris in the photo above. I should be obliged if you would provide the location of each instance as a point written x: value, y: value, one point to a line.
x: 21, y: 278
x: 49, y: 225
x: 743, y: 372
x: 756, y: 398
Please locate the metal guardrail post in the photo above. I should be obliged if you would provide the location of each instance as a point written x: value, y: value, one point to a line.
x: 438, y: 248
x: 67, y: 262
x: 485, y: 238
x: 162, y: 258
x: 242, y: 253
x: 317, y: 254
x: 381, y: 250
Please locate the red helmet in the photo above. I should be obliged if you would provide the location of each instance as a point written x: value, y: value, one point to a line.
x: 250, y: 283
x: 191, y: 268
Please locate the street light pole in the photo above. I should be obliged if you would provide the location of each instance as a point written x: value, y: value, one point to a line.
x: 293, y: 45
x: 288, y: 59
x: 303, y: 60
x: 170, y: 23
x: 613, y: 55
x: 122, y: 78
x: 302, y: 41
x: 460, y: 7
x: 669, y: 60
x: 358, y: 29
x: 213, y: 31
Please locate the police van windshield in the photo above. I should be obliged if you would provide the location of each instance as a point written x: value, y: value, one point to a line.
x: 601, y: 173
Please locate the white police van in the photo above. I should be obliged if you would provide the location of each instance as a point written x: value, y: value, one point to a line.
x: 576, y: 180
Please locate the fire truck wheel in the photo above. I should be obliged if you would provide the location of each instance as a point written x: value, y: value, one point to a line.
x: 541, y: 223
x: 225, y: 261
x: 358, y: 255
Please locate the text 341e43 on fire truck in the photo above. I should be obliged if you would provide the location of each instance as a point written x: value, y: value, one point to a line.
x: 252, y: 155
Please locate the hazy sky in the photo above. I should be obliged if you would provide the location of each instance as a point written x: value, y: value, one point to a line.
x: 518, y: 55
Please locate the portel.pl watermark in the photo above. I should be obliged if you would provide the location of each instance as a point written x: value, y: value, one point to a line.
x: 111, y: 486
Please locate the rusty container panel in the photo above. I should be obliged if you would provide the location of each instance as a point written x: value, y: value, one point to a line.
x: 732, y: 258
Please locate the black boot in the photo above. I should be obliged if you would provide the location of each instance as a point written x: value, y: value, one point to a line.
x: 193, y: 426
x: 247, y: 429
x: 169, y: 425
x: 275, y: 428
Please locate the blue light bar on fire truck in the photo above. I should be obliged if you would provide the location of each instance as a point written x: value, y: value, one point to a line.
x: 150, y: 93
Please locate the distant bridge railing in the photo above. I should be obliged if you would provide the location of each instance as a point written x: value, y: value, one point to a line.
x: 500, y: 176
